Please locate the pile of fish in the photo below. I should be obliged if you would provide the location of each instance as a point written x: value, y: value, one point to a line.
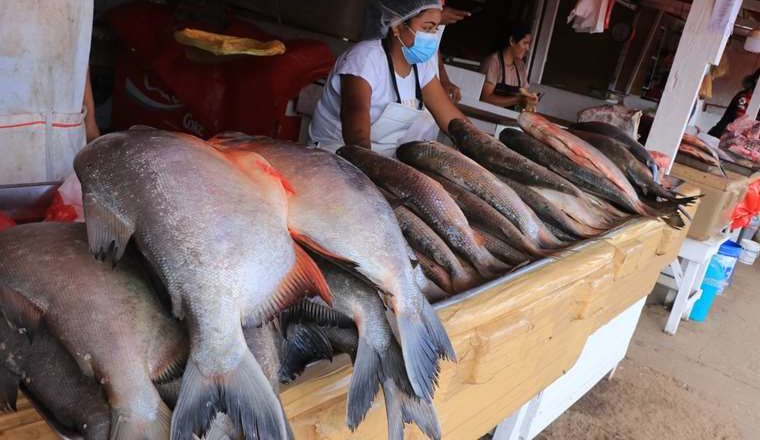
x: 157, y: 311
x: 207, y: 273
x: 694, y: 151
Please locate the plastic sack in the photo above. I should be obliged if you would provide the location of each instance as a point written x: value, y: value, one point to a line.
x: 591, y: 16
x: 747, y: 208
x: 67, y: 202
x: 6, y: 221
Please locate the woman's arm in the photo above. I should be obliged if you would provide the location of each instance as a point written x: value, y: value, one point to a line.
x: 487, y: 95
x: 355, y: 97
x: 90, y: 125
x: 438, y: 102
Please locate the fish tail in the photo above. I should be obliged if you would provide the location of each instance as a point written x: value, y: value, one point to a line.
x: 402, y: 408
x: 365, y: 383
x: 243, y: 393
x: 124, y: 427
x: 423, y: 342
x: 221, y: 428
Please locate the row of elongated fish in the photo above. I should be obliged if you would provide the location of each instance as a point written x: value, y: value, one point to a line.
x: 473, y: 212
x: 195, y: 305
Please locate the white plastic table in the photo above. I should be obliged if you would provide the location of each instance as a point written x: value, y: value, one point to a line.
x: 686, y: 277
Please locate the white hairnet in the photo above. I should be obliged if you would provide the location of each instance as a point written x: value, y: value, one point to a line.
x: 383, y: 14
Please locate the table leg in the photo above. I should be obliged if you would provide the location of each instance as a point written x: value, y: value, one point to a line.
x: 682, y: 297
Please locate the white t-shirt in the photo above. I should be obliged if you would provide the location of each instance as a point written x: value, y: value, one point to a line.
x: 366, y: 60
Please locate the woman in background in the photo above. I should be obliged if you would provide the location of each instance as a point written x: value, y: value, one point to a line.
x: 506, y: 72
x: 738, y: 106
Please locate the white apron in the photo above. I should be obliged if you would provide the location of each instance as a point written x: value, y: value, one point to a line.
x: 399, y: 123
x: 43, y: 62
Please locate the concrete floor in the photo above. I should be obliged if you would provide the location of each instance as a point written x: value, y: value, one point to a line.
x: 702, y: 383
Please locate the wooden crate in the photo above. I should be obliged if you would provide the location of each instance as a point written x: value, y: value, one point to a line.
x: 513, y: 338
x: 720, y: 197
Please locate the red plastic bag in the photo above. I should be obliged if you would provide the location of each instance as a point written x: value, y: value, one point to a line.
x: 6, y: 221
x: 747, y: 208
x: 67, y: 202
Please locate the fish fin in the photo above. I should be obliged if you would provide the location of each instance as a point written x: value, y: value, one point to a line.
x: 423, y: 342
x: 108, y: 231
x: 169, y: 391
x: 19, y: 311
x: 402, y: 408
x: 138, y: 127
x: 171, y: 371
x: 272, y: 171
x: 365, y: 383
x: 246, y: 159
x: 9, y: 382
x: 237, y: 139
x: 311, y: 244
x: 303, y: 278
x: 306, y: 276
x: 221, y: 429
x: 303, y: 345
x: 124, y: 428
x: 244, y: 394
x: 311, y: 311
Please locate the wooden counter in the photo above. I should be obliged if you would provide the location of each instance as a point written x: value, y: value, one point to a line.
x: 513, y: 338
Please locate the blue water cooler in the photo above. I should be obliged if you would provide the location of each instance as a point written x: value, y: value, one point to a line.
x: 717, y: 277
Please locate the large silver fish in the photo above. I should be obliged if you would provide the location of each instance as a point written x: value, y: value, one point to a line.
x: 110, y: 320
x: 336, y: 211
x: 218, y: 239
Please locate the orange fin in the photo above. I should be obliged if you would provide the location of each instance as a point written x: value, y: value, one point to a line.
x: 306, y: 277
x: 303, y: 279
x: 246, y: 159
x: 309, y: 243
x: 272, y: 171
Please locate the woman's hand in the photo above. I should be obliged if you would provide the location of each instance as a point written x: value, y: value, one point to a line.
x: 452, y: 90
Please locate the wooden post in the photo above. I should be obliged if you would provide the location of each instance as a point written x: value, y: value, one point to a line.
x: 644, y: 52
x: 541, y: 48
x: 754, y: 103
x: 699, y: 47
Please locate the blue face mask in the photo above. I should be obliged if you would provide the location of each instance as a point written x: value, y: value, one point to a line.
x: 424, y: 47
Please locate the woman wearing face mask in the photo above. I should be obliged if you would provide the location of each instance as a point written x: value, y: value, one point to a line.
x: 506, y: 72
x: 384, y: 92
